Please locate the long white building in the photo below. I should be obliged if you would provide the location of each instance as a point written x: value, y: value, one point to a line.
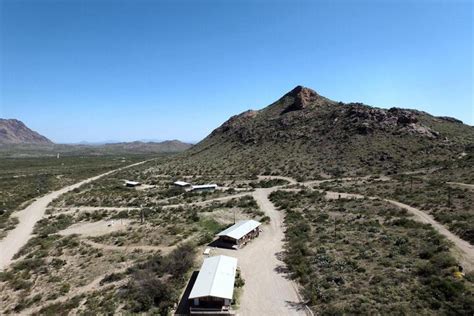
x: 240, y: 232
x: 214, y: 286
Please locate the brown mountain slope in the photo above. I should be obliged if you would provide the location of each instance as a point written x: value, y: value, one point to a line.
x: 15, y: 132
x: 306, y: 135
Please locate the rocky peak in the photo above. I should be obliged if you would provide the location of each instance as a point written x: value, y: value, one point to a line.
x: 302, y: 97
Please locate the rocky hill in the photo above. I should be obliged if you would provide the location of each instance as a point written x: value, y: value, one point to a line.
x: 15, y: 132
x: 306, y: 135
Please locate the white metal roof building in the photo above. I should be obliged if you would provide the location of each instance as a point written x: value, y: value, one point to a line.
x: 181, y: 183
x: 129, y: 183
x: 240, y: 229
x: 204, y: 187
x: 216, y: 278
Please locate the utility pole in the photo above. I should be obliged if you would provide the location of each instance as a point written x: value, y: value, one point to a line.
x: 142, y: 215
x: 449, y: 196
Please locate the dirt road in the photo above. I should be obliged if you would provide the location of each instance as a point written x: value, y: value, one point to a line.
x: 463, y: 185
x: 163, y: 249
x: 464, y: 251
x: 267, y: 289
x: 206, y: 202
x: 290, y: 180
x: 28, y: 217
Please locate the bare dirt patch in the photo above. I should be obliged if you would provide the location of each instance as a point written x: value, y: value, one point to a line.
x: 96, y: 228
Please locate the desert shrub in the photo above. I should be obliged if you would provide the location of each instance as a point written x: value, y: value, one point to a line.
x: 372, y: 252
x: 147, y: 291
x: 61, y: 308
x: 239, y: 281
x: 210, y: 225
x: 205, y: 239
x: 269, y: 183
x: 48, y: 226
x: 155, y: 284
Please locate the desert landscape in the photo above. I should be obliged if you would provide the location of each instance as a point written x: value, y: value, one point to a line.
x: 246, y: 158
x: 330, y: 240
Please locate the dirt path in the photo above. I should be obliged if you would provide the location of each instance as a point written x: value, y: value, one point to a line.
x: 79, y: 209
x: 201, y: 203
x: 347, y: 179
x: 28, y: 217
x: 127, y: 248
x: 98, y: 228
x: 290, y: 180
x: 464, y: 185
x: 464, y: 250
x: 267, y: 289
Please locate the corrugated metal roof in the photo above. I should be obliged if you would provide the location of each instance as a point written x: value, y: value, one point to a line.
x: 216, y: 278
x: 240, y: 229
x: 132, y: 182
x: 205, y: 186
x: 182, y: 183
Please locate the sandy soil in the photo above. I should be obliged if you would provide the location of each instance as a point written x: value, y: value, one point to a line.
x: 164, y: 249
x: 74, y: 209
x: 28, y: 217
x: 93, y: 286
x: 290, y: 180
x: 219, y: 199
x: 267, y: 289
x: 95, y: 228
x: 225, y: 216
x: 348, y: 179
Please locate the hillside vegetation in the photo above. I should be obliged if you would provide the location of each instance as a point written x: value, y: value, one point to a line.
x: 367, y: 257
x: 309, y: 136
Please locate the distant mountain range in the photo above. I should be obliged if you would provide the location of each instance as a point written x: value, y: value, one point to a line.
x: 304, y: 134
x: 16, y: 137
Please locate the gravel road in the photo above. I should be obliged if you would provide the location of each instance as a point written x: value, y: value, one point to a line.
x: 267, y: 290
x: 19, y: 236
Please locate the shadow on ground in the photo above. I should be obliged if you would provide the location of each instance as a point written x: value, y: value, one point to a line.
x: 296, y: 305
x: 222, y: 244
x: 282, y: 268
x: 183, y: 306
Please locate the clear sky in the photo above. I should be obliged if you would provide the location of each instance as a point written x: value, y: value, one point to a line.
x: 99, y: 70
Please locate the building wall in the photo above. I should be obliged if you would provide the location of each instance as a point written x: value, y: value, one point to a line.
x: 210, y: 301
x: 252, y: 234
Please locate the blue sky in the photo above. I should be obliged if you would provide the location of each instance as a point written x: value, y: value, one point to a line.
x: 125, y: 70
